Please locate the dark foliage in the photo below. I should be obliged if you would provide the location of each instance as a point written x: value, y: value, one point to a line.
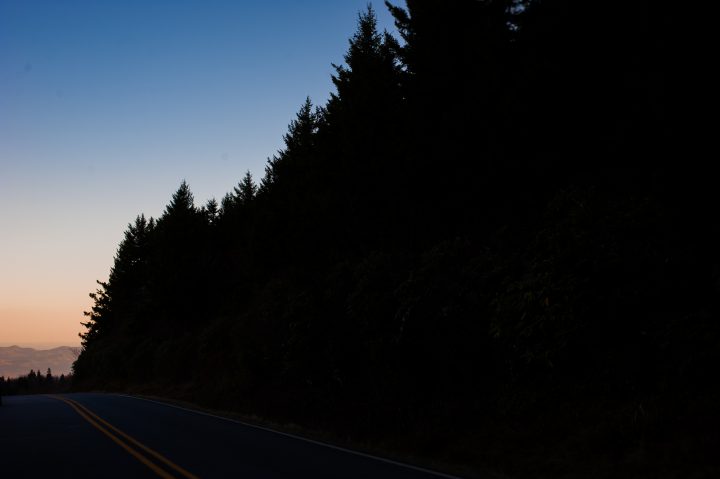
x: 35, y: 382
x: 490, y: 247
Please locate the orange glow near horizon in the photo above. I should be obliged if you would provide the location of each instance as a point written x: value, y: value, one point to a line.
x: 44, y: 290
x: 38, y: 328
x: 33, y: 325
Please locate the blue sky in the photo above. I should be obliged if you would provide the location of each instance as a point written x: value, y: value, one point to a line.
x: 105, y: 106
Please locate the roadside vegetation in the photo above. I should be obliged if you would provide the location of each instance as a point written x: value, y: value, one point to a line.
x: 492, y: 247
x: 35, y: 382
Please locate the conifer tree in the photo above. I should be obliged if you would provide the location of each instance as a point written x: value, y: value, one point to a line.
x: 245, y: 191
x: 289, y: 167
x: 182, y: 203
x: 178, y: 265
x: 358, y: 135
x: 368, y: 85
x: 227, y: 204
x: 212, y: 211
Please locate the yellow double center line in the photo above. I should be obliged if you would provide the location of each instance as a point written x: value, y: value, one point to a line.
x: 127, y: 442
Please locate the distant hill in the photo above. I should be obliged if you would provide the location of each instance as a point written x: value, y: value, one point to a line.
x: 16, y: 361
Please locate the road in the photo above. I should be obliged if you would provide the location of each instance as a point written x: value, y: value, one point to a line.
x: 107, y: 436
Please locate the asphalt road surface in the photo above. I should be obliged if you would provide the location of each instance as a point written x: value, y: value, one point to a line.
x: 107, y: 436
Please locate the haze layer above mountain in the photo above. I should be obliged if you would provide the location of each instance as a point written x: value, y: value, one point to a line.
x: 16, y: 361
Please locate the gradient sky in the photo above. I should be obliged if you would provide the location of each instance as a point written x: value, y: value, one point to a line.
x: 105, y: 106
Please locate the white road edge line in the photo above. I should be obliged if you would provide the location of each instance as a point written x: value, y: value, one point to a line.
x: 319, y: 443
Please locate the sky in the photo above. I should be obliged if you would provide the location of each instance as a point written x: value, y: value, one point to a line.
x: 106, y: 106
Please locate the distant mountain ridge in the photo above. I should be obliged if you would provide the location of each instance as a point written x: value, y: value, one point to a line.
x: 16, y: 361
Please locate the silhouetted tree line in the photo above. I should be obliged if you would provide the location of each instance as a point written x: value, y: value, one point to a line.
x: 35, y: 382
x: 490, y: 246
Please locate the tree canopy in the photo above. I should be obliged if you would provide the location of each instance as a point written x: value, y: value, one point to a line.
x: 476, y: 244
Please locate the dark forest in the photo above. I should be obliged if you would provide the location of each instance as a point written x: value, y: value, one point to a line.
x: 490, y: 250
x: 35, y: 382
